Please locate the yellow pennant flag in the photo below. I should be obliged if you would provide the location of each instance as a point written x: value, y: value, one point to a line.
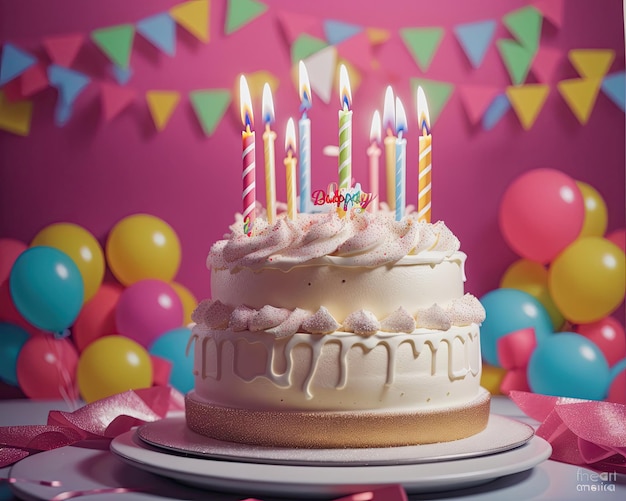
x: 194, y: 17
x: 527, y: 101
x: 592, y: 63
x: 15, y: 117
x: 580, y: 95
x: 162, y: 104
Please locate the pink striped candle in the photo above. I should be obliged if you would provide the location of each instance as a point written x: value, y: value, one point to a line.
x: 248, y: 156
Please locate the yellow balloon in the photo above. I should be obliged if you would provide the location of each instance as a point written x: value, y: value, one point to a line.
x: 111, y: 365
x: 81, y: 246
x: 142, y: 247
x: 188, y: 299
x: 596, y: 215
x: 587, y: 279
x: 532, y: 277
x: 491, y: 378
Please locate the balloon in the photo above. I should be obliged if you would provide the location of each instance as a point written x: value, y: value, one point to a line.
x: 569, y: 365
x: 587, y: 279
x: 608, y: 335
x: 9, y: 313
x: 9, y: 250
x: 172, y: 346
x: 47, y: 288
x: 142, y: 246
x: 147, y: 309
x: 97, y: 317
x: 509, y: 310
x: 81, y: 246
x: 491, y: 378
x: 111, y: 365
x: 618, y: 237
x: 46, y: 368
x: 541, y: 213
x: 596, y: 217
x: 532, y: 277
x: 12, y: 338
x: 188, y: 299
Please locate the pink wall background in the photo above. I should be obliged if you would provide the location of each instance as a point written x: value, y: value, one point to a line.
x: 94, y: 173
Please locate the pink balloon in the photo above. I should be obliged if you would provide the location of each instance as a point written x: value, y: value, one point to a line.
x: 46, y: 368
x: 9, y: 250
x: 147, y: 309
x: 97, y: 316
x: 608, y: 335
x: 541, y: 213
x: 618, y: 237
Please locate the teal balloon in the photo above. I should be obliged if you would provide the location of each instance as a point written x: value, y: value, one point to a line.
x: 12, y: 338
x: 172, y: 346
x: 569, y: 365
x: 509, y: 310
x: 47, y: 288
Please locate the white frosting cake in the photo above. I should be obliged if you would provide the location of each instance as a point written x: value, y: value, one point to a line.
x: 337, y: 330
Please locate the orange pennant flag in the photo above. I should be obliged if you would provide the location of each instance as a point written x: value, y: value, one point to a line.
x: 580, y: 95
x: 194, y: 17
x: 15, y: 117
x: 162, y: 104
x: 527, y: 101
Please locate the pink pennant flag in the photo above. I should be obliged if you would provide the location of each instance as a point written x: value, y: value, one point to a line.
x: 552, y: 10
x: 33, y: 80
x: 63, y: 49
x: 545, y: 63
x: 357, y: 50
x: 294, y: 25
x: 476, y: 99
x: 115, y: 99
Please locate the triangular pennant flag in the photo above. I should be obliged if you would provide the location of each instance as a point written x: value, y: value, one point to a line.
x: 160, y: 31
x: 13, y: 89
x: 121, y: 75
x: 527, y: 101
x: 294, y: 25
x: 552, y: 10
x: 15, y: 117
x: 545, y: 63
x: 62, y: 113
x: 241, y: 12
x: 210, y: 106
x: 357, y: 50
x: 437, y: 95
x: 69, y: 83
x: 475, y: 39
x: 614, y: 86
x: 321, y: 67
x: 517, y: 59
x: 33, y: 80
x: 422, y: 44
x: 377, y: 36
x: 63, y: 49
x: 14, y: 62
x: 116, y: 42
x: 305, y: 46
x: 193, y: 16
x: 580, y: 94
x: 115, y: 99
x: 525, y: 25
x: 496, y: 110
x: 592, y: 63
x: 338, y: 31
x: 476, y: 100
x: 162, y: 104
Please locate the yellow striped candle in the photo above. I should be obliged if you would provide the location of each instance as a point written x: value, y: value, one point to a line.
x: 269, y: 137
x: 373, y: 154
x: 290, y: 166
x: 425, y: 160
x: 345, y: 130
x: 389, y: 125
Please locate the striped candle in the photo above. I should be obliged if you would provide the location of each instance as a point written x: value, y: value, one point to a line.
x: 290, y: 167
x: 248, y: 156
x: 400, y: 161
x: 425, y: 160
x: 345, y: 130
x: 269, y: 137
x: 389, y: 125
x: 373, y: 154
x: 304, y: 138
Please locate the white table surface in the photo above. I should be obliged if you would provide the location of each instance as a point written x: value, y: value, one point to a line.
x: 549, y: 480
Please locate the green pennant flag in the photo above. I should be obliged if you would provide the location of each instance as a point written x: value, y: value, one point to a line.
x: 422, y: 44
x: 437, y: 95
x: 210, y: 106
x: 525, y: 25
x: 305, y: 46
x: 116, y: 42
x: 241, y: 12
x: 516, y: 58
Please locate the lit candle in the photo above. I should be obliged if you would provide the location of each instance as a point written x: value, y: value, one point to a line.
x: 425, y: 159
x: 248, y: 156
x: 400, y: 177
x: 345, y: 130
x: 290, y: 166
x: 304, y: 138
x: 389, y: 125
x: 373, y: 153
x: 269, y: 136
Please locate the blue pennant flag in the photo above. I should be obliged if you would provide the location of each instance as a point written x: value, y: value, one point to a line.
x: 69, y: 83
x: 496, y: 110
x: 121, y: 75
x: 475, y: 39
x: 160, y: 30
x: 614, y: 86
x: 338, y: 31
x: 14, y: 62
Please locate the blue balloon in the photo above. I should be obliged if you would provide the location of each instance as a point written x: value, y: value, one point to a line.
x: 47, y: 288
x: 12, y: 338
x: 569, y: 365
x: 172, y: 346
x: 509, y: 310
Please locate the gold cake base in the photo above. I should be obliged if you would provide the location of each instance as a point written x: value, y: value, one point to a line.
x: 332, y: 430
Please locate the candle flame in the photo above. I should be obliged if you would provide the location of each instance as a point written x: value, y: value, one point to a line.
x: 401, y: 122
x: 247, y: 116
x: 389, y: 115
x: 375, y: 128
x: 267, y: 105
x: 290, y: 137
x: 423, y: 117
x: 344, y: 88
x: 305, y: 87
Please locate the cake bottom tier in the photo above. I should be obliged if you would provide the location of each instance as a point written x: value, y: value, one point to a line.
x: 332, y: 430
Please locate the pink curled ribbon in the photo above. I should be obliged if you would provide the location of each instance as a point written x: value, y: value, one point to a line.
x: 582, y: 432
x: 514, y: 351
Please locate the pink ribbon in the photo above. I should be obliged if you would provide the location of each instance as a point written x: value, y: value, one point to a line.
x: 582, y: 432
x: 387, y: 493
x: 514, y: 351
